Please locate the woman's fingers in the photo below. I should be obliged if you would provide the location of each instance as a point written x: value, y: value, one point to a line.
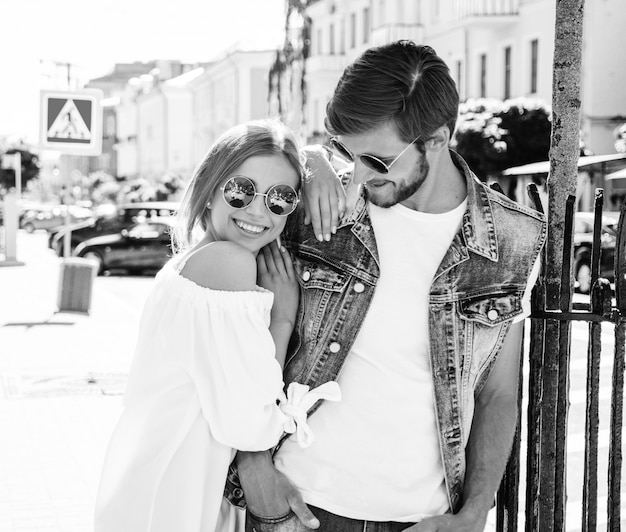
x: 277, y: 259
x: 261, y: 264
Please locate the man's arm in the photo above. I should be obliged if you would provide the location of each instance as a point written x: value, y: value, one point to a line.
x: 489, y: 445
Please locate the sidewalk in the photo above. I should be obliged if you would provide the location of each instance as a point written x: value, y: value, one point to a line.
x: 61, y: 378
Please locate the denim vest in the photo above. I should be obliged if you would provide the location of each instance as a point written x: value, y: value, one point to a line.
x: 475, y: 295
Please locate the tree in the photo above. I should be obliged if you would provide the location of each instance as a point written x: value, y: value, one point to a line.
x: 169, y: 186
x: 493, y: 135
x: 30, y: 169
x: 103, y: 187
x: 287, y: 75
x: 620, y: 138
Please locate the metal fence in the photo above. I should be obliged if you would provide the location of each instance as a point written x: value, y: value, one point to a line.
x: 548, y: 394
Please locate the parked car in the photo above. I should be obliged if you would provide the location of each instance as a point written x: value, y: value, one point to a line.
x: 49, y: 217
x: 112, y: 222
x: 145, y: 246
x: 583, y: 238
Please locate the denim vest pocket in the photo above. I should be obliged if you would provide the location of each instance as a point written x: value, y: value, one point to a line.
x: 312, y: 275
x: 492, y: 309
x: 486, y: 318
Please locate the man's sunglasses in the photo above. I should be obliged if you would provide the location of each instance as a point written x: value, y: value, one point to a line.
x: 371, y: 161
x: 239, y: 192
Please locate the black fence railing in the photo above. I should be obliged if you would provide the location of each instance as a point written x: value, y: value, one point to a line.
x: 548, y: 395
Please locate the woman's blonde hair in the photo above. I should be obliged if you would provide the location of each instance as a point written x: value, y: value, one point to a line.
x: 230, y: 150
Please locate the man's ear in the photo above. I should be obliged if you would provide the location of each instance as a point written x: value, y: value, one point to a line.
x: 439, y: 140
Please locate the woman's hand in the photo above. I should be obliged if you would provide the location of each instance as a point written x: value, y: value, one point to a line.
x: 323, y: 195
x: 275, y: 273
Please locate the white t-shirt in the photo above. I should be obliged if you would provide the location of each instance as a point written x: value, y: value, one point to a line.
x: 376, y: 452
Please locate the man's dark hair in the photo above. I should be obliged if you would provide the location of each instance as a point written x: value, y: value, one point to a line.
x: 404, y: 83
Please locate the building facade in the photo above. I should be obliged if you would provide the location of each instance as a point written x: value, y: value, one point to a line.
x: 231, y: 90
x: 167, y: 126
x: 495, y: 49
x: 164, y: 117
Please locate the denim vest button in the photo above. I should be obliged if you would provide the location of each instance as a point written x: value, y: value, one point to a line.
x: 359, y: 287
x: 493, y: 314
x: 306, y: 275
x: 334, y: 347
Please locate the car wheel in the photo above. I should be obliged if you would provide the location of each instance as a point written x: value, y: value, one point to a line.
x: 58, y: 248
x: 97, y: 258
x: 583, y: 277
x: 28, y: 227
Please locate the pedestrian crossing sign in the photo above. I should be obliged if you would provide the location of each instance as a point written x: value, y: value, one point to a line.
x: 71, y: 121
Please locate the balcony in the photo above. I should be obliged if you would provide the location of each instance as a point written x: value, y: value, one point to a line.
x: 395, y: 31
x: 484, y: 10
x: 326, y: 63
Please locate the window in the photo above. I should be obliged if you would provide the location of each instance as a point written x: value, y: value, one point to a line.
x: 534, y: 58
x: 332, y: 39
x: 483, y: 75
x: 109, y: 127
x: 352, y: 30
x: 366, y: 24
x: 507, y: 72
x: 342, y: 36
x: 381, y: 12
x: 319, y: 42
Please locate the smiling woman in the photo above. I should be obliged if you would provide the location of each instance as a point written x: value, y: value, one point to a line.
x: 206, y: 374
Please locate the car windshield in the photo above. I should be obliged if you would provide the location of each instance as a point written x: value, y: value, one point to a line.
x: 585, y: 225
x: 148, y: 230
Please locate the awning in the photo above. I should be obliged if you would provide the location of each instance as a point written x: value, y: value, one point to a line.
x: 616, y: 175
x: 543, y: 167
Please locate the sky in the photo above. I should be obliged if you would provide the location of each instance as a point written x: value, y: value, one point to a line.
x: 93, y: 35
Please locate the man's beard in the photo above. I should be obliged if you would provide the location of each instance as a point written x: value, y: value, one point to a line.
x: 404, y: 190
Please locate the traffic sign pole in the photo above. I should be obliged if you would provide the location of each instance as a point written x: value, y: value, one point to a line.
x: 11, y: 210
x: 71, y: 123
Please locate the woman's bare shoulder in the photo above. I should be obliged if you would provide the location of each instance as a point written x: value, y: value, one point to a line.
x: 222, y: 266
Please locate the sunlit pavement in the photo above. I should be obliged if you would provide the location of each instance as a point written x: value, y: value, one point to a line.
x: 61, y: 376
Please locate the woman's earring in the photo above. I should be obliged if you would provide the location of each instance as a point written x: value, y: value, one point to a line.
x: 208, y: 205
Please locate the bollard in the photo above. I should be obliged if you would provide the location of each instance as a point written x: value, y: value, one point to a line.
x: 75, y: 285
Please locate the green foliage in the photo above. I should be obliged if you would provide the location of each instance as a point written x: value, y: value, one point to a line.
x: 30, y: 169
x: 103, y: 187
x: 493, y: 135
x: 169, y: 186
x: 620, y: 138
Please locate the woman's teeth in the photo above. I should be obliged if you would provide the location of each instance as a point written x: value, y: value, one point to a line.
x: 249, y: 227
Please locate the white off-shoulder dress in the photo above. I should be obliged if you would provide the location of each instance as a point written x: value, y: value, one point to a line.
x: 203, y: 383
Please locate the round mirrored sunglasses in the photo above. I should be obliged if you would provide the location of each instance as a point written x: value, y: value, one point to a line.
x: 371, y: 161
x: 239, y: 192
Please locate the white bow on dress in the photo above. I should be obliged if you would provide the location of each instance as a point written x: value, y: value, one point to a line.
x: 297, y: 403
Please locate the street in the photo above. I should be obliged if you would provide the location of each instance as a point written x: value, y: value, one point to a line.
x: 61, y: 378
x: 62, y: 375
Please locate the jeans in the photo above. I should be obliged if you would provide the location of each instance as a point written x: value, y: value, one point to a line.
x: 328, y: 523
